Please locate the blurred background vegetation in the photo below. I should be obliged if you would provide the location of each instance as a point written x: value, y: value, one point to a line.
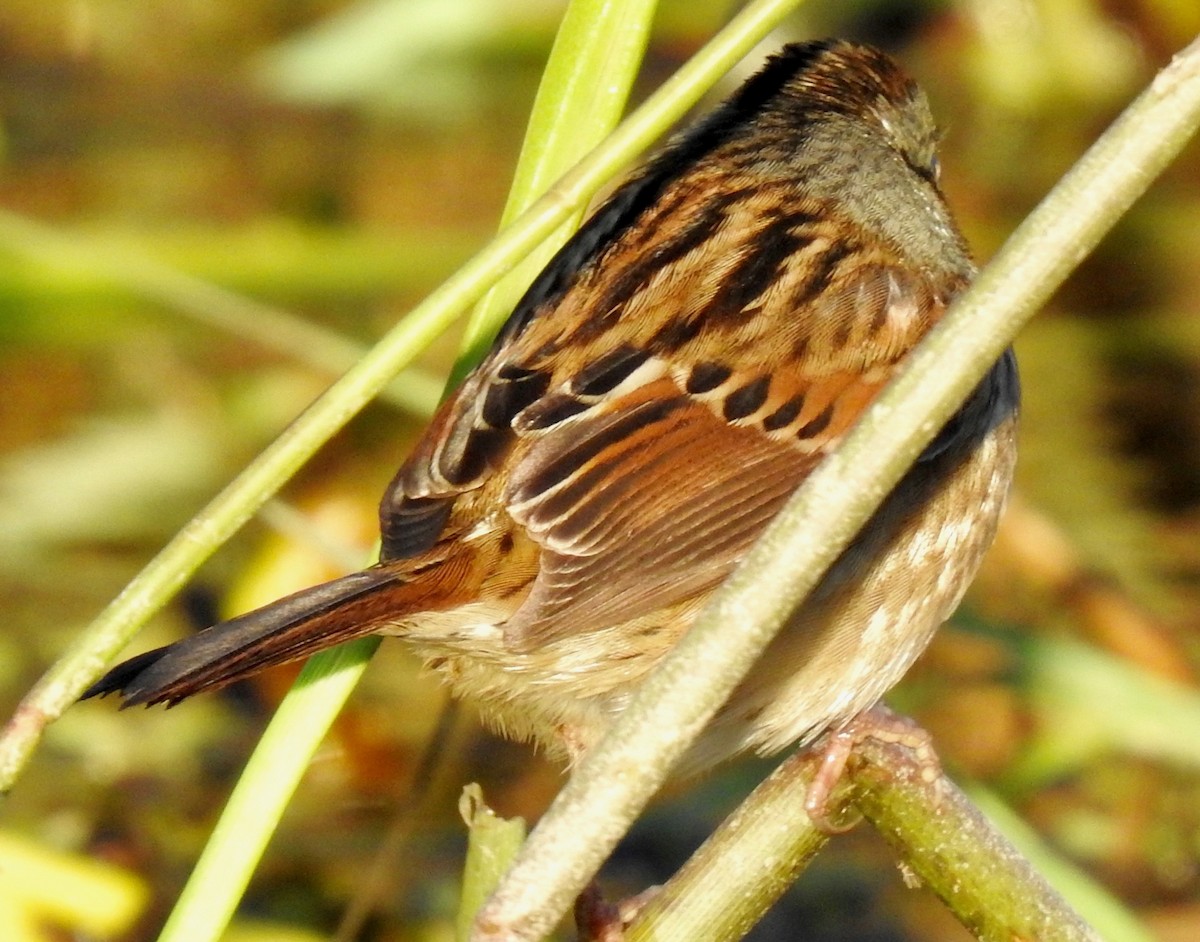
x: 206, y: 208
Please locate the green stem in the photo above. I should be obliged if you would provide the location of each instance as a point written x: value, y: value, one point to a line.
x: 944, y: 840
x: 1112, y: 920
x: 492, y: 843
x: 727, y: 886
x: 237, y: 842
x: 583, y: 92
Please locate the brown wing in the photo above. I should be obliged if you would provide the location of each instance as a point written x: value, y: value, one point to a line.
x: 651, y: 415
x: 654, y: 493
x: 623, y: 531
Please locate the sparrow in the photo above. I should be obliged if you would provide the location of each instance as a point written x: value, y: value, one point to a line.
x: 679, y: 368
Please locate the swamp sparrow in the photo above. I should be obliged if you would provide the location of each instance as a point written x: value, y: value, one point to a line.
x: 678, y: 369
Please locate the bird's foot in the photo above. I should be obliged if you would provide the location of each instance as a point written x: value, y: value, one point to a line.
x: 597, y: 920
x: 878, y: 723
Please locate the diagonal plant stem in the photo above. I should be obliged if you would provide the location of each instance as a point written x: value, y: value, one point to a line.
x: 1114, y: 921
x: 587, y: 77
x: 946, y: 842
x: 752, y: 858
x: 973, y: 862
x: 619, y: 776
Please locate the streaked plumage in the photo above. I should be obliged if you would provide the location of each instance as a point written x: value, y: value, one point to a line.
x: 673, y: 375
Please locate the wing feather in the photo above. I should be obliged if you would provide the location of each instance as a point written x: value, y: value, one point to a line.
x: 623, y: 535
x: 648, y: 360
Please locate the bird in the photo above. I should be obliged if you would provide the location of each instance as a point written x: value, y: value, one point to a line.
x: 674, y: 374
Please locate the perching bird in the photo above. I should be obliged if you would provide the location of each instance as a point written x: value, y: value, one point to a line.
x: 669, y: 380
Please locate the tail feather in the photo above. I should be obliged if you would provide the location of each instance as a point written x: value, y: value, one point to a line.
x: 291, y: 628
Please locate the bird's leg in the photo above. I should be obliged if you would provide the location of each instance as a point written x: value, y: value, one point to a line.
x: 597, y: 920
x: 877, y: 723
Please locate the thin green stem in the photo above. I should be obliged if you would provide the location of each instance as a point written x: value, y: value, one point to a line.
x: 572, y: 113
x: 946, y: 842
x: 236, y: 844
x: 1113, y: 922
x: 727, y: 886
x: 491, y: 846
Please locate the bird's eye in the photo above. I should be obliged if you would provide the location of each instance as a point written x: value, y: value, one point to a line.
x: 935, y: 169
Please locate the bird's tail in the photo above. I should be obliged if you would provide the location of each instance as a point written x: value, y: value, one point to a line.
x: 291, y: 628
